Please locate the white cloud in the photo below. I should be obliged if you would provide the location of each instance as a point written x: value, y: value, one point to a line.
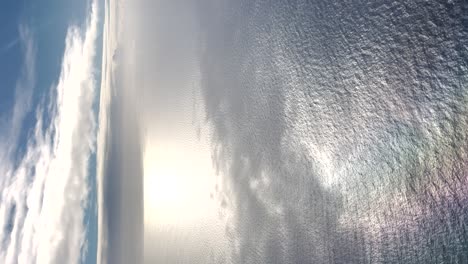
x: 43, y: 196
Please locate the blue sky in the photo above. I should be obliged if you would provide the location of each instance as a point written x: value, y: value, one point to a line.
x: 50, y: 72
x: 10, y: 51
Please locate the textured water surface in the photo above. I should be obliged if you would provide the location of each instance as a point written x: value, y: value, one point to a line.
x: 338, y: 130
x: 343, y: 125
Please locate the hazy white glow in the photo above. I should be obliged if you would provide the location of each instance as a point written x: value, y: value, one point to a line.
x: 178, y: 181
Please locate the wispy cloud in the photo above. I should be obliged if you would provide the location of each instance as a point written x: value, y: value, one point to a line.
x: 12, y: 121
x: 43, y: 195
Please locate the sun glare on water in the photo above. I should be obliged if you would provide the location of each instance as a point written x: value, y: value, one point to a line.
x: 178, y: 182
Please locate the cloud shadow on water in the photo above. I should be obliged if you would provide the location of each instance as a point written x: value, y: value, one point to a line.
x: 288, y: 85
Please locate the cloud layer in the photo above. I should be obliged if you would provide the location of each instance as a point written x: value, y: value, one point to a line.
x: 44, y: 191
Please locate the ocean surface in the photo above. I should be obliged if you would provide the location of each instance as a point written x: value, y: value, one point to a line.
x: 327, y: 131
